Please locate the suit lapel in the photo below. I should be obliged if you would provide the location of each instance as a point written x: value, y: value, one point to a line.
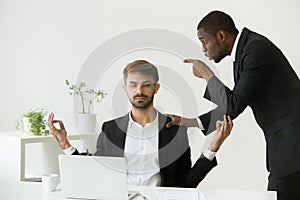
x: 162, y: 138
x: 165, y: 156
x: 236, y: 72
x: 120, y: 136
x: 238, y: 56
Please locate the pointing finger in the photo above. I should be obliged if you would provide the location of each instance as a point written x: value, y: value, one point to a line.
x: 189, y: 60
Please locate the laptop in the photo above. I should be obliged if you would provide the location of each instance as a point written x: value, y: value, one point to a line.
x: 94, y: 177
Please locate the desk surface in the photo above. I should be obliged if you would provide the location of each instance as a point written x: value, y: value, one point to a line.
x: 30, y: 190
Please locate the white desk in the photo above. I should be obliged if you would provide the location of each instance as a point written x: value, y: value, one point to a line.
x: 150, y: 193
x: 31, y: 190
x: 50, y: 147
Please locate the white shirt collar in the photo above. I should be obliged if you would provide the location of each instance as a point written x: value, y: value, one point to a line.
x: 131, y: 121
x: 233, y: 52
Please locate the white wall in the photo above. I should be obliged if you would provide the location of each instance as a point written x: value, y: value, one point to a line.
x: 45, y: 42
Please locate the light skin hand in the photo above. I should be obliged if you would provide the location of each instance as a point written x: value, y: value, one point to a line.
x: 200, y: 69
x: 181, y: 121
x: 60, y: 134
x: 223, y: 129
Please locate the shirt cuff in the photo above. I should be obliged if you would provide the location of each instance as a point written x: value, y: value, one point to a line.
x: 200, y: 126
x: 210, y: 155
x: 69, y: 151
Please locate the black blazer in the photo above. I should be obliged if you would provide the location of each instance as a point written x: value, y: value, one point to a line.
x: 265, y: 81
x: 174, y: 152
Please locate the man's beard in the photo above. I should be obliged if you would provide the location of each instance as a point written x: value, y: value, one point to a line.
x: 142, y: 104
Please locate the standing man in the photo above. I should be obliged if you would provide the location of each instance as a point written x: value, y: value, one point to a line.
x: 265, y: 81
x: 155, y: 155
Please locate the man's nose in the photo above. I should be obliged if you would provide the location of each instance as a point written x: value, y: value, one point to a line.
x: 139, y: 89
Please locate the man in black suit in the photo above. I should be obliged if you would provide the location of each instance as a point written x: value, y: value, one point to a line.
x: 155, y: 155
x: 265, y: 81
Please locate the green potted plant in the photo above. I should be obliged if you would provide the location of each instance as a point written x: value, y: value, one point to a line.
x: 86, y: 120
x: 34, y: 122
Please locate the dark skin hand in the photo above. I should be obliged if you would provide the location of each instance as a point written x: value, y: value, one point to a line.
x: 223, y: 129
x: 200, y: 69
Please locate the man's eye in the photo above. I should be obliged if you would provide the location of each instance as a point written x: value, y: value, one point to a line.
x: 132, y: 85
x: 146, y: 85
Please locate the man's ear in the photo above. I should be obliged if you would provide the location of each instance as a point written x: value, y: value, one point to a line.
x: 157, y: 86
x: 221, y: 35
x: 124, y: 88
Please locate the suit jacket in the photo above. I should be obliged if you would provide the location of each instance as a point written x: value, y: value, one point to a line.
x: 265, y: 81
x: 174, y: 152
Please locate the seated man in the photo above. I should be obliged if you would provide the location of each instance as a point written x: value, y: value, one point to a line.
x: 155, y: 155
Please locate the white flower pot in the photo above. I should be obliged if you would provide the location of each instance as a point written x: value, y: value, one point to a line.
x: 86, y: 123
x: 26, y: 126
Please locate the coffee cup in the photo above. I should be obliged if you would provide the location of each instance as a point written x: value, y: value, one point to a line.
x: 50, y: 182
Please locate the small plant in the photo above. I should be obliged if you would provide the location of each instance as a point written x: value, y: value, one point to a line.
x: 35, y: 119
x: 87, y: 96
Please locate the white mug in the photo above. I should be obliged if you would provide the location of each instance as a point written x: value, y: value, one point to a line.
x: 50, y: 182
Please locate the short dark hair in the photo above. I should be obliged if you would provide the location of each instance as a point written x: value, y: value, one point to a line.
x: 216, y: 21
x: 141, y: 66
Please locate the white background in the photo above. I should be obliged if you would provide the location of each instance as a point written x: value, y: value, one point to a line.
x: 42, y: 43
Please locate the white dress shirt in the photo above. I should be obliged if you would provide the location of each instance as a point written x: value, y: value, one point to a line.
x: 141, y: 153
x: 233, y: 52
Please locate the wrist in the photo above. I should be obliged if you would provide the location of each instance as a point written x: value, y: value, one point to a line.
x: 210, y: 155
x: 213, y: 149
x: 190, y: 122
x: 209, y: 76
x: 215, y: 146
x: 65, y: 145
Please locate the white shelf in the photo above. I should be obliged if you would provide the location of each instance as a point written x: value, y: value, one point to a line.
x: 52, y: 146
